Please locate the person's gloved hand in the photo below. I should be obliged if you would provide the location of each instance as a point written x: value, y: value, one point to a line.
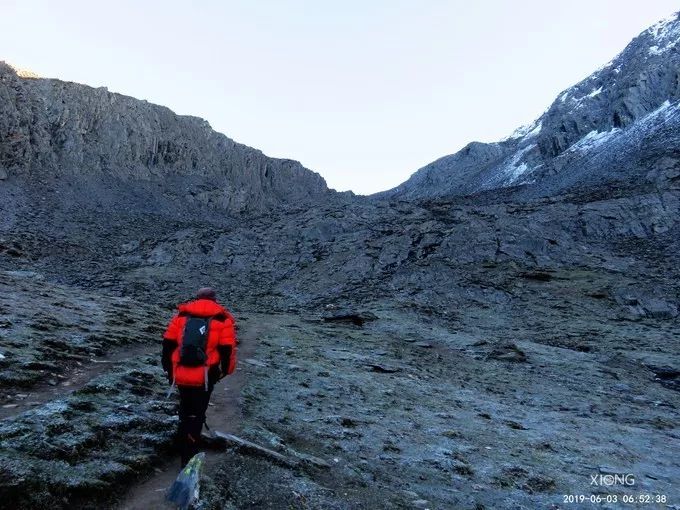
x: 225, y: 356
x: 214, y: 374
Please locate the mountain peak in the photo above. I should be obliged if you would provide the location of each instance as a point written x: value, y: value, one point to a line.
x: 20, y: 71
x: 583, y: 120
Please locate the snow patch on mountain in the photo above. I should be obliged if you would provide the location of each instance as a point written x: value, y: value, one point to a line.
x: 595, y: 92
x: 515, y: 168
x: 666, y: 34
x: 526, y: 131
x: 596, y: 138
x: 662, y: 114
x: 593, y: 139
x: 535, y: 131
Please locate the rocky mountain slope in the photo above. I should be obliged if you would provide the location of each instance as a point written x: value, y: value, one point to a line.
x: 475, y: 346
x: 631, y: 103
x: 122, y: 151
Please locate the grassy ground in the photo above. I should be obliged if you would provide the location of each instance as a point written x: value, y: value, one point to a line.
x: 506, y: 404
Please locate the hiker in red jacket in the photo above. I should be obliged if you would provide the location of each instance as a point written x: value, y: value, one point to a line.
x: 199, y: 348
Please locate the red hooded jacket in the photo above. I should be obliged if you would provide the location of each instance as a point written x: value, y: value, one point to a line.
x: 221, y: 343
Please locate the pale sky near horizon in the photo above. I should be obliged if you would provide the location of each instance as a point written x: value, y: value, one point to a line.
x: 363, y: 92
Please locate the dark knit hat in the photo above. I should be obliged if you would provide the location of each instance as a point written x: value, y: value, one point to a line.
x: 206, y: 293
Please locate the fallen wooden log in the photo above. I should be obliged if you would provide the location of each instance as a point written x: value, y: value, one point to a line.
x: 305, y: 458
x: 245, y: 446
x: 291, y: 458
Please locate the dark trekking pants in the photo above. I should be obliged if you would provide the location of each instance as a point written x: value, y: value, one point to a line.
x: 193, y: 403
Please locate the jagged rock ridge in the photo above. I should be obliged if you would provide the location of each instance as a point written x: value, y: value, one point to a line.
x: 74, y: 135
x: 595, y: 118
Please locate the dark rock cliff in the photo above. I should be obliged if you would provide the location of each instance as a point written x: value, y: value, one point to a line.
x: 112, y: 191
x: 66, y: 135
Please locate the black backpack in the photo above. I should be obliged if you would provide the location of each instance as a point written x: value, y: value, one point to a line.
x: 194, y: 341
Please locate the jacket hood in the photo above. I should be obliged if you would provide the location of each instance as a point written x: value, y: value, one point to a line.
x: 203, y: 308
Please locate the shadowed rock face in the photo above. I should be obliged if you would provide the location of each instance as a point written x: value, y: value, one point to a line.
x: 72, y: 135
x: 593, y: 119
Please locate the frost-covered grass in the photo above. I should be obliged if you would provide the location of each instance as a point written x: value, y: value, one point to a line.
x: 75, y: 452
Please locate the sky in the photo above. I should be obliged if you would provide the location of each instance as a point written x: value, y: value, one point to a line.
x: 364, y: 92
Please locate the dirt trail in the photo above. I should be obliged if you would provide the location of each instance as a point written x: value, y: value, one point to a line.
x: 80, y: 374
x: 224, y: 414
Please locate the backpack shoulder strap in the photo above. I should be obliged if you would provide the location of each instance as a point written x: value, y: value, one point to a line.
x: 221, y: 317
